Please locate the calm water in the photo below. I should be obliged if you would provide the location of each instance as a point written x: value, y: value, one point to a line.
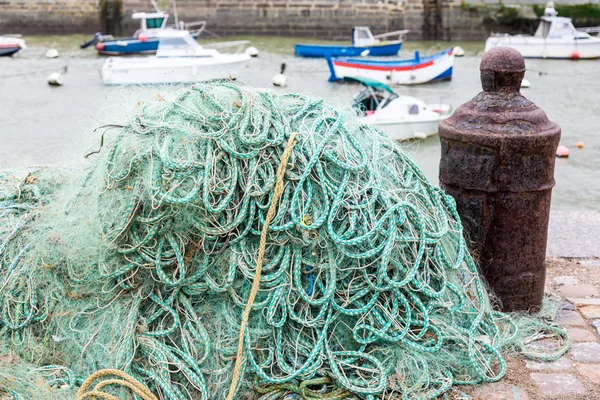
x: 54, y: 125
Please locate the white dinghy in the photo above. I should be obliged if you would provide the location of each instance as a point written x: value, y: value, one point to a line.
x: 179, y: 59
x: 400, y: 117
x: 555, y: 37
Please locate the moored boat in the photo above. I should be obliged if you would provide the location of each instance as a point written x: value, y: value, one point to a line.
x: 362, y: 41
x: 145, y: 39
x: 555, y: 37
x: 179, y: 59
x: 11, y: 44
x: 397, y: 71
x: 400, y: 117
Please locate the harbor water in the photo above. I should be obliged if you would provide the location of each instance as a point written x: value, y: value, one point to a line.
x: 43, y: 125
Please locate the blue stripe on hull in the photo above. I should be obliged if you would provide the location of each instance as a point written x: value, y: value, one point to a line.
x: 313, y: 50
x: 444, y: 76
x: 9, y: 51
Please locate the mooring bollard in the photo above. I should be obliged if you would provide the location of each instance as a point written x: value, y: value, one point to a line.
x: 498, y: 153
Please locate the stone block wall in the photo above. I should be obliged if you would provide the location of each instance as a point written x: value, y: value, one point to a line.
x: 454, y: 20
x: 309, y: 18
x: 49, y: 16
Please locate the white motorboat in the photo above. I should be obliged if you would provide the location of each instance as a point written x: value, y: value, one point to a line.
x: 179, y: 59
x: 555, y: 37
x: 400, y: 117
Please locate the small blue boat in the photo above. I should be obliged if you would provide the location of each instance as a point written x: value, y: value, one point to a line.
x: 144, y: 40
x: 363, y: 43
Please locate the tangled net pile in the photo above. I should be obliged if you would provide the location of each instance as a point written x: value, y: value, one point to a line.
x: 144, y: 262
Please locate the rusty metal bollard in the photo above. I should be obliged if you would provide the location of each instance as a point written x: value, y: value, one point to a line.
x: 498, y: 153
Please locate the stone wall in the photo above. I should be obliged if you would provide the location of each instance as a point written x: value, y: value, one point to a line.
x: 454, y: 20
x: 49, y: 16
x: 310, y: 18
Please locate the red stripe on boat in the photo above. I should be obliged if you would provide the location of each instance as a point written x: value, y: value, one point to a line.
x: 380, y: 68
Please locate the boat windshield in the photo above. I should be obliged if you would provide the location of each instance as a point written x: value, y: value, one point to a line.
x: 561, y: 29
x: 154, y: 23
x: 177, y: 44
x: 371, y: 100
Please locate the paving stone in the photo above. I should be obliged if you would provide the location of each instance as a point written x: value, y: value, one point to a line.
x: 590, y: 262
x: 596, y: 324
x: 569, y: 318
x: 561, y: 364
x: 584, y: 302
x: 581, y: 290
x: 499, y: 391
x: 566, y: 305
x: 580, y: 335
x: 591, y: 372
x: 588, y: 352
x: 558, y: 384
x: 590, y: 312
x: 564, y: 280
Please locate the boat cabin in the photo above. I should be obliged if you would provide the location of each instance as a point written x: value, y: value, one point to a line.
x: 362, y: 36
x: 176, y: 43
x: 557, y: 28
x: 151, y: 23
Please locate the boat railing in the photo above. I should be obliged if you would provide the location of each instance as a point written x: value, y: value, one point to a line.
x: 194, y: 27
x: 238, y: 44
x: 591, y: 30
x: 400, y: 35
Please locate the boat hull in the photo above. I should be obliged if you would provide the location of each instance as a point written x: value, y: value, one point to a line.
x: 154, y: 70
x: 321, y: 51
x: 129, y: 46
x: 396, y: 72
x: 406, y: 130
x: 534, y: 47
x: 9, y: 50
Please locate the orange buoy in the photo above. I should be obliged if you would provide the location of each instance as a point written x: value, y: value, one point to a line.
x: 562, y: 151
x: 99, y: 46
x: 142, y: 37
x: 579, y: 144
x: 575, y: 55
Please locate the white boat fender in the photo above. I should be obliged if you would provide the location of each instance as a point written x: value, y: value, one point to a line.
x: 525, y: 83
x: 252, y: 51
x: 365, y: 53
x: 280, y: 79
x: 458, y: 51
x: 55, y: 78
x: 52, y: 53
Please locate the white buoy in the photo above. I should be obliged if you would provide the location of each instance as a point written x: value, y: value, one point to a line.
x: 459, y: 51
x: 279, y: 79
x: 55, y: 78
x: 365, y: 53
x: 252, y: 51
x: 52, y: 53
x: 525, y: 83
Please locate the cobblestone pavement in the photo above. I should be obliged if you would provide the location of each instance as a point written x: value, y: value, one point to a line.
x: 575, y: 376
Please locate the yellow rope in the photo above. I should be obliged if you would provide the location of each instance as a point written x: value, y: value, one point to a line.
x: 126, y: 380
x: 261, y: 252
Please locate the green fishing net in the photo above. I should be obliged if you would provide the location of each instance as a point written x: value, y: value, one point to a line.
x: 144, y: 261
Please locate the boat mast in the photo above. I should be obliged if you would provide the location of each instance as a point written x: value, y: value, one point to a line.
x: 155, y: 6
x: 175, y: 15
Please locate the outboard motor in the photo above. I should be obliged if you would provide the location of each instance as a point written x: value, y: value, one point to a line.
x: 97, y: 37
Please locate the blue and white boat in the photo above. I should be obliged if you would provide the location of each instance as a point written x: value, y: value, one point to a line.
x: 396, y: 71
x: 363, y: 43
x: 145, y: 39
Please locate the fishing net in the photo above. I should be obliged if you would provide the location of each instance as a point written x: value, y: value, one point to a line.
x: 144, y: 262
